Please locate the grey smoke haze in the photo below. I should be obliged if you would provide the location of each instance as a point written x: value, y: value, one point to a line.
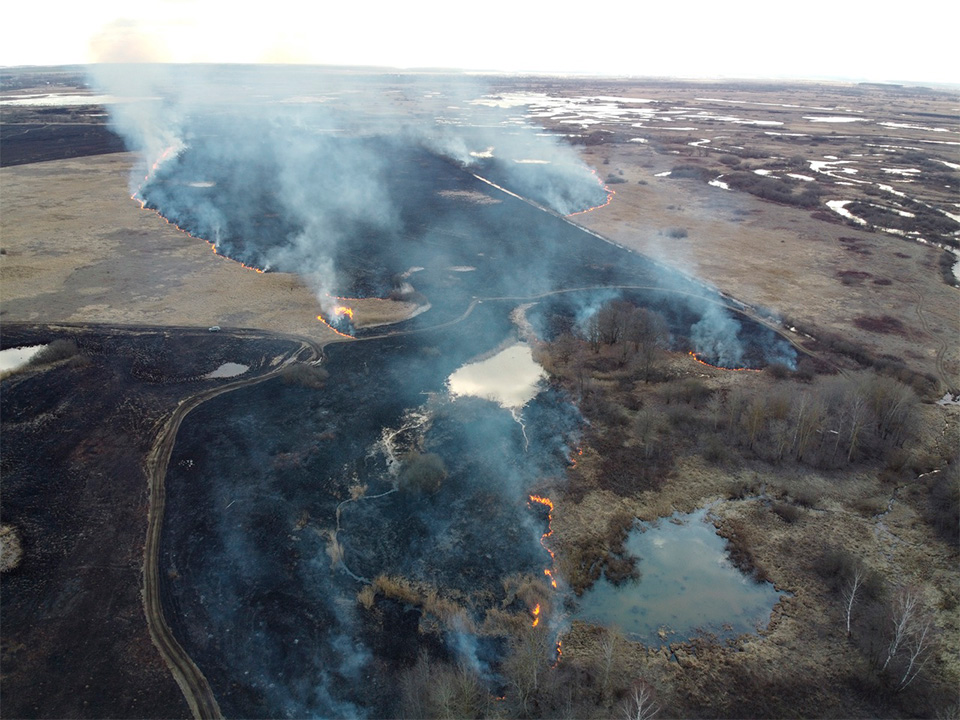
x: 214, y: 142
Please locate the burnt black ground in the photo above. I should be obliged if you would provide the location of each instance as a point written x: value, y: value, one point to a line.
x: 253, y: 597
x: 74, y: 438
x: 257, y: 475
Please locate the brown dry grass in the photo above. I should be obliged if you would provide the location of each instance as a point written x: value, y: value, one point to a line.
x: 78, y: 249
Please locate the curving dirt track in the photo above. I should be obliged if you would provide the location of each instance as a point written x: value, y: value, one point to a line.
x: 192, y: 682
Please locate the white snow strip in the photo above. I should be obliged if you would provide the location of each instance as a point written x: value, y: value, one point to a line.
x: 840, y: 207
x: 834, y: 119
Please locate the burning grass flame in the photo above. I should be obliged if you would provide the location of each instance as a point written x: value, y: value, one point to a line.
x: 610, y: 193
x: 341, y: 334
x: 169, y: 152
x: 743, y: 369
x: 341, y: 314
x: 549, y: 504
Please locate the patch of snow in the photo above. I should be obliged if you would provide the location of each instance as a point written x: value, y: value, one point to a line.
x: 665, y: 173
x: 717, y: 182
x: 805, y: 178
x: 889, y: 189
x: 840, y: 207
x: 55, y: 100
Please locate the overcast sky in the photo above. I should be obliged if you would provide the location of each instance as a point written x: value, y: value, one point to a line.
x: 814, y: 39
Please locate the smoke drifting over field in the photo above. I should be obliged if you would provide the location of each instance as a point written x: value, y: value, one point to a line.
x: 283, y: 171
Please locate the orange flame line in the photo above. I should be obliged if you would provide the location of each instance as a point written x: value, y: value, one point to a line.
x: 549, y: 504
x: 143, y: 206
x: 213, y: 246
x: 610, y: 193
x: 742, y: 369
x: 341, y: 334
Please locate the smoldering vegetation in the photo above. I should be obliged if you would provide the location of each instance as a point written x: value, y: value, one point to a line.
x: 632, y: 322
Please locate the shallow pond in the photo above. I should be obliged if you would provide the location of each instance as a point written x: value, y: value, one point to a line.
x: 509, y: 378
x: 227, y: 370
x: 14, y: 358
x: 687, y: 584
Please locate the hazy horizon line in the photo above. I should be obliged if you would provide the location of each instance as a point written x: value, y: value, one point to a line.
x: 573, y: 74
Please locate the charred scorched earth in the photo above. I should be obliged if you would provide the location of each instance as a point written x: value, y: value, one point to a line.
x: 317, y: 540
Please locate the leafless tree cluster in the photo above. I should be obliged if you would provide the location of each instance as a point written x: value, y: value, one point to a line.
x: 636, y: 334
x: 438, y: 690
x: 894, y: 626
x: 831, y: 423
x: 912, y: 636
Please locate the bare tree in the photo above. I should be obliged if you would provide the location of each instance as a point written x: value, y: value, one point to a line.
x: 857, y: 414
x: 754, y: 419
x: 640, y: 703
x: 609, y: 645
x: 646, y: 430
x: 893, y: 405
x: 903, y: 610
x: 593, y: 334
x: 527, y: 663
x: 851, y: 589
x: 918, y: 647
x: 912, y: 638
x: 809, y: 415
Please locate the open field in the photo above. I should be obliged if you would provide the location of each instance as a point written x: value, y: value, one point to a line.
x: 78, y: 249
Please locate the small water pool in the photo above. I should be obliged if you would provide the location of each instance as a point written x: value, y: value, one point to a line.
x: 509, y: 378
x: 15, y: 358
x: 227, y: 370
x: 687, y: 584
